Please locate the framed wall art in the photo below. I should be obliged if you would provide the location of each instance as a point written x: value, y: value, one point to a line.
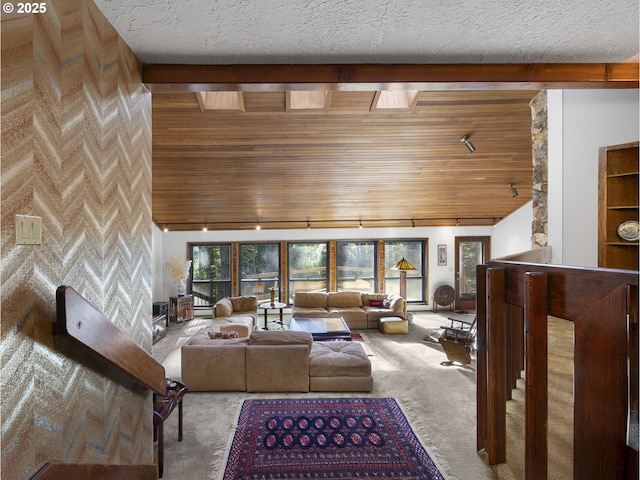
x: 442, y: 255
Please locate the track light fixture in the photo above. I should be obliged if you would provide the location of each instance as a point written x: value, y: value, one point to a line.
x: 257, y: 225
x: 514, y: 192
x: 468, y: 144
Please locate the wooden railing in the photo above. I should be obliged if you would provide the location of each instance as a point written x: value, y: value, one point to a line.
x: 82, y: 471
x: 514, y: 302
x: 81, y: 323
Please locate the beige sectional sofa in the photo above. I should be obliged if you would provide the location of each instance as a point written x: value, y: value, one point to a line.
x: 273, y: 361
x: 236, y: 313
x: 356, y: 308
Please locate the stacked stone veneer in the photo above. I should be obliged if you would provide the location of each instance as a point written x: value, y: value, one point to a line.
x: 76, y: 151
x: 539, y: 189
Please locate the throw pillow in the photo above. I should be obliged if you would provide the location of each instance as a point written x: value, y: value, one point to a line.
x: 386, y: 304
x: 375, y: 303
x: 223, y: 335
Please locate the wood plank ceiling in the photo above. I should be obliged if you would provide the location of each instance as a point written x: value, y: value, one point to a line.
x: 349, y: 163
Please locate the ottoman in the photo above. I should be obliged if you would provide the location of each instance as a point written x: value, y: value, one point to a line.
x: 393, y: 326
x: 339, y: 367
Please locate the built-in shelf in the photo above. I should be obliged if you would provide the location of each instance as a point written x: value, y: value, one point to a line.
x: 618, y: 200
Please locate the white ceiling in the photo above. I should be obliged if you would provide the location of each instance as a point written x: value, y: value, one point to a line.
x: 377, y: 31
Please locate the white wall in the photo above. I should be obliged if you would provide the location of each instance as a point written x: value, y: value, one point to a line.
x: 157, y: 265
x: 555, y: 175
x: 175, y: 244
x: 590, y: 119
x: 513, y: 234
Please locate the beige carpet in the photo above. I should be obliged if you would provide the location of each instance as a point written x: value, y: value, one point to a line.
x: 439, y: 402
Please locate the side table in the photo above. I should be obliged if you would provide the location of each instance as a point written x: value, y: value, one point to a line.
x: 272, y: 306
x: 161, y: 308
x: 162, y: 408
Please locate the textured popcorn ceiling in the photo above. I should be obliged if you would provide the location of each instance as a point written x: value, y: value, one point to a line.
x: 377, y: 31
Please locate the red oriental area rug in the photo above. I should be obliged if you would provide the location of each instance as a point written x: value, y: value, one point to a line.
x: 335, y: 438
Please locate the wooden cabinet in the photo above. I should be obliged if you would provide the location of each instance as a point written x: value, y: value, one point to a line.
x: 181, y: 308
x: 618, y: 202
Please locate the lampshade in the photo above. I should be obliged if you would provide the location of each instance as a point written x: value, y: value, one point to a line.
x: 404, y: 265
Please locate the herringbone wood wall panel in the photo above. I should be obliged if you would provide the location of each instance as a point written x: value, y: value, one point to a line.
x: 76, y: 150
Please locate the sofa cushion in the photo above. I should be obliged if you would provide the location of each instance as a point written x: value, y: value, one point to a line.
x: 279, y: 337
x: 349, y: 314
x: 344, y: 299
x: 396, y: 303
x: 244, y: 304
x: 277, y: 368
x: 310, y: 312
x: 224, y: 308
x: 241, y: 324
x: 202, y: 338
x: 310, y: 299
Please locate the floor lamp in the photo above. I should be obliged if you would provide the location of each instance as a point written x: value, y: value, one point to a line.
x: 403, y: 265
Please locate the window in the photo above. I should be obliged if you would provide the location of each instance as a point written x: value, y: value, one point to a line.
x: 211, y: 273
x: 356, y: 266
x: 413, y: 252
x: 259, y: 269
x: 307, y: 268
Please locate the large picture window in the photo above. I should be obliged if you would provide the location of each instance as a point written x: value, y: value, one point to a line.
x: 307, y: 268
x: 210, y: 273
x: 259, y: 270
x: 412, y: 251
x: 356, y: 266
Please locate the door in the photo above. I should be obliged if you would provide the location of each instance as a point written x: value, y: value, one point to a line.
x: 470, y: 252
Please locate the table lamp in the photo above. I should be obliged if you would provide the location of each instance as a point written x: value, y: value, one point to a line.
x: 403, y: 265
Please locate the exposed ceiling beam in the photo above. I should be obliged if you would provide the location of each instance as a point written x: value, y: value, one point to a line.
x: 177, y: 78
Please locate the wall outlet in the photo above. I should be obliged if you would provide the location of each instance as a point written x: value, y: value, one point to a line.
x: 28, y: 230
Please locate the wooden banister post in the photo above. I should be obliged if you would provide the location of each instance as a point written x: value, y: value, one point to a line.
x: 536, y: 401
x: 496, y: 367
x: 482, y: 428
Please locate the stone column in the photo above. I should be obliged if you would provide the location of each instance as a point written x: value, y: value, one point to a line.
x: 539, y: 133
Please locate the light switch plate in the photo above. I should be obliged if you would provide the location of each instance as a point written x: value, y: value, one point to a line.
x: 28, y: 230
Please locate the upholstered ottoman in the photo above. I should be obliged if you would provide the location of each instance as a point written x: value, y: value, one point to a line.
x: 393, y: 326
x: 339, y: 367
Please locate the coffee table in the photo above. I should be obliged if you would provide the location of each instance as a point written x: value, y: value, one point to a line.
x: 327, y: 328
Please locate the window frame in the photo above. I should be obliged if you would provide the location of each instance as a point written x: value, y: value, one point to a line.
x: 422, y: 266
x: 373, y: 279
x: 225, y: 282
x: 276, y: 281
x: 327, y: 265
